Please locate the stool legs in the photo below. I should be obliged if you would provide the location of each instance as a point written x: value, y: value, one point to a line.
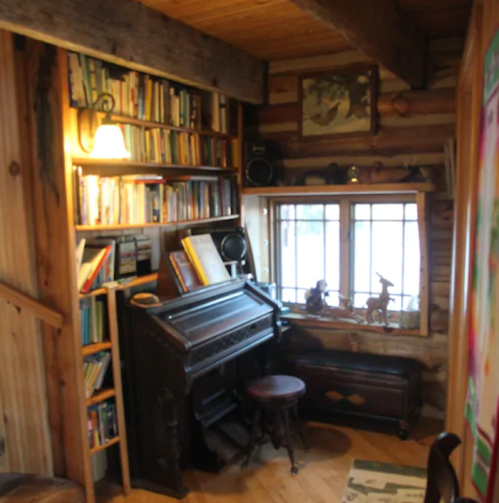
x: 299, y: 426
x: 254, y: 434
x: 289, y: 443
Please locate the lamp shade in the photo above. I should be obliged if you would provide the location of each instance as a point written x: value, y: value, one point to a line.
x: 109, y: 143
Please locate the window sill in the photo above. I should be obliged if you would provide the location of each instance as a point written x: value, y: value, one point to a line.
x: 311, y: 321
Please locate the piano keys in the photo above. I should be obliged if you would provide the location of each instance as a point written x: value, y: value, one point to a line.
x: 184, y: 369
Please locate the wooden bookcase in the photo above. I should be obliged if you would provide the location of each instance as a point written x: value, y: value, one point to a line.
x: 56, y: 149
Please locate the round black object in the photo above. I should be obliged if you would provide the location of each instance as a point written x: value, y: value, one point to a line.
x: 259, y: 172
x: 233, y: 247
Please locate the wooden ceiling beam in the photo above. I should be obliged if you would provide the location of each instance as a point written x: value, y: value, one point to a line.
x: 380, y: 29
x: 128, y: 33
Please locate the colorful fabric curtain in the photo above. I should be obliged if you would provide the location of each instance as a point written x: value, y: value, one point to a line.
x: 483, y: 384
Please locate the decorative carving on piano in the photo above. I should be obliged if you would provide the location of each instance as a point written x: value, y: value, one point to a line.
x: 224, y: 343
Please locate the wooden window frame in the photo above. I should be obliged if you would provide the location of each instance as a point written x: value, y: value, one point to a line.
x: 346, y: 208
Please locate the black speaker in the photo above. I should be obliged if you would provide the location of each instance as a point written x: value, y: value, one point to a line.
x: 259, y: 167
x: 230, y: 242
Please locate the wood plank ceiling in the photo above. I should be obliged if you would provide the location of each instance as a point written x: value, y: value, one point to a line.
x: 277, y: 29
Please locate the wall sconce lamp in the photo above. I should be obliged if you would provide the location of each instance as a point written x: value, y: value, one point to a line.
x: 104, y: 141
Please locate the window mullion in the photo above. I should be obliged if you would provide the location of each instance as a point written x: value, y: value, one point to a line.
x: 345, y: 248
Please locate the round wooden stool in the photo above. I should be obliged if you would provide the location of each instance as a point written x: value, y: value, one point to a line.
x: 276, y: 395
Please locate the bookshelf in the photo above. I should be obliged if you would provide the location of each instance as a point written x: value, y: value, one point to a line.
x: 228, y: 139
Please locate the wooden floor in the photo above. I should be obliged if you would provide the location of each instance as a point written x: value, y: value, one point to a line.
x: 323, y: 469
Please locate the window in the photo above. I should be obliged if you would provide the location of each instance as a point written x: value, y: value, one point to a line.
x: 347, y: 243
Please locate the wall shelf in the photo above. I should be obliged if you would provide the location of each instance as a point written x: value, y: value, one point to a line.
x: 102, y: 163
x: 124, y: 119
x: 98, y: 448
x: 309, y: 321
x: 101, y: 396
x: 357, y: 188
x: 81, y: 228
x: 91, y: 349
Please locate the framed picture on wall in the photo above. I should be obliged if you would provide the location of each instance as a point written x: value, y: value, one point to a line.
x: 339, y: 103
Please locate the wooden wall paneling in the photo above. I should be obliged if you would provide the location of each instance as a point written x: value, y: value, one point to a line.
x: 48, y: 98
x: 24, y: 429
x: 159, y: 45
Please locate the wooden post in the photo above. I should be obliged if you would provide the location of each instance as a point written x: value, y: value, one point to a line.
x: 116, y: 362
x: 48, y: 102
x: 345, y: 247
x: 422, y: 205
x: 469, y: 109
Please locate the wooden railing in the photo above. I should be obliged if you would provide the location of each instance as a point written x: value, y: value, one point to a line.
x: 35, y: 307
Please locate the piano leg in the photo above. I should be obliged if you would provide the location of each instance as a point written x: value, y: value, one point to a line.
x: 254, y: 434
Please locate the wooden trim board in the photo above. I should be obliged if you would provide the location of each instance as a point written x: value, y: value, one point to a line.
x: 36, y: 308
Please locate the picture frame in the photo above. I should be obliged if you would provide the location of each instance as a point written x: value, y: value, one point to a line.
x: 338, y: 103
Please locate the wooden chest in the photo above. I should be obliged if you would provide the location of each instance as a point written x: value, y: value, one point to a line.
x: 364, y: 385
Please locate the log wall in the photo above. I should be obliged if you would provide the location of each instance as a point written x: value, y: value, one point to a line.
x: 414, y: 127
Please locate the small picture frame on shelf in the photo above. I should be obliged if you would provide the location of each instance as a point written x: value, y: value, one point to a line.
x: 338, y: 103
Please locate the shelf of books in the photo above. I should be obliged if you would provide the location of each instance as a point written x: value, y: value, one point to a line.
x: 184, y: 170
x: 163, y: 122
x: 141, y: 200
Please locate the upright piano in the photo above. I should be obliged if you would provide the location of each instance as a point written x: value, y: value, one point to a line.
x: 185, y: 365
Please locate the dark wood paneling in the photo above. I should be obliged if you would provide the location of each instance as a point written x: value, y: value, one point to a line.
x: 128, y: 33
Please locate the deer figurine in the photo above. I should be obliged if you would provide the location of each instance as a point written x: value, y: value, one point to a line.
x: 379, y: 304
x: 345, y: 310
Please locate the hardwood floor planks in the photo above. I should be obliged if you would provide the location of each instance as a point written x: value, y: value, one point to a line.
x: 323, y: 469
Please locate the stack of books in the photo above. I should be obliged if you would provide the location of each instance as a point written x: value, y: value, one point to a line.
x: 94, y: 262
x: 94, y: 369
x: 198, y: 265
x: 142, y: 96
x: 132, y: 200
x: 92, y: 320
x: 162, y: 146
x: 102, y: 423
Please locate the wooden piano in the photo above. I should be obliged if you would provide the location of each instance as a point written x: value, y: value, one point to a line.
x: 185, y: 366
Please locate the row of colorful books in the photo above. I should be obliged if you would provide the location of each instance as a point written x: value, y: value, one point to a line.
x: 140, y: 200
x: 92, y: 320
x: 219, y: 152
x: 164, y: 146
x: 94, y: 263
x: 144, y: 97
x: 161, y: 145
x: 94, y: 370
x: 102, y: 423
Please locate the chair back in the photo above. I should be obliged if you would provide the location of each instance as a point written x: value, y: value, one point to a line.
x: 442, y: 485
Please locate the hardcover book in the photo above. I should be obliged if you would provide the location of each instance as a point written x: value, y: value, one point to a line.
x: 185, y: 271
x: 205, y: 258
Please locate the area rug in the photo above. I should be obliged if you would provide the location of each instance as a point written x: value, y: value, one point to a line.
x: 371, y: 482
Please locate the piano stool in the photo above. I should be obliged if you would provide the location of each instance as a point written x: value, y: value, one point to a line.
x: 277, y: 395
